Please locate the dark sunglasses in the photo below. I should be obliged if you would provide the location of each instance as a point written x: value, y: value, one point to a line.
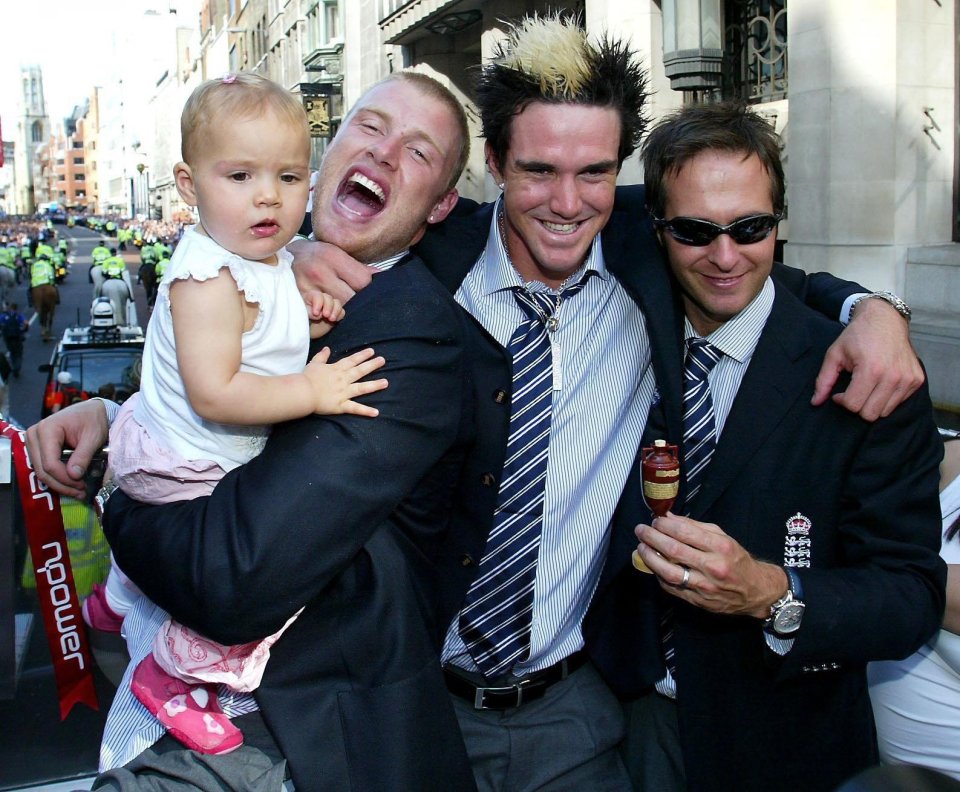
x: 700, y: 233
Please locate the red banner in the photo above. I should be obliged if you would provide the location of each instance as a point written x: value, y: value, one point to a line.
x: 59, y: 604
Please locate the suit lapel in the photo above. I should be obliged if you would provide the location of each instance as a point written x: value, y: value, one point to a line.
x: 451, y: 248
x: 780, y: 372
x: 632, y: 254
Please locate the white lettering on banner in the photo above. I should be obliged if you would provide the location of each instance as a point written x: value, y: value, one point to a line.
x: 56, y: 573
x: 38, y: 490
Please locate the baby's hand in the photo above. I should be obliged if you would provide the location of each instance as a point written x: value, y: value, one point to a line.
x: 323, y: 306
x: 324, y: 311
x: 335, y: 385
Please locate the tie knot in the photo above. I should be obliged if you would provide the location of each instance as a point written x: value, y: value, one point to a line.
x: 542, y: 305
x: 702, y: 356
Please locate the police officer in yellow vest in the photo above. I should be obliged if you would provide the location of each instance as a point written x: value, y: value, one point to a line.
x: 107, y: 280
x: 8, y: 274
x: 162, y: 250
x: 114, y: 266
x: 161, y: 265
x: 41, y: 272
x: 44, y: 251
x: 101, y: 252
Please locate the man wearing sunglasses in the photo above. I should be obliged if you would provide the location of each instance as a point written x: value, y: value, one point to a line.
x: 809, y: 545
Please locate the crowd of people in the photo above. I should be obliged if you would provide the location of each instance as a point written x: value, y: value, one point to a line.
x: 462, y: 580
x: 36, y: 253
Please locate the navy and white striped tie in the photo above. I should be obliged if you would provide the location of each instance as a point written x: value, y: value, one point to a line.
x: 497, y: 615
x: 699, y: 424
x: 699, y: 441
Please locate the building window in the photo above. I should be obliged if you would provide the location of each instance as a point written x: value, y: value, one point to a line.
x: 331, y: 20
x: 78, y: 160
x: 755, y: 51
x: 312, y: 29
x: 36, y: 132
x: 260, y: 40
x: 79, y: 177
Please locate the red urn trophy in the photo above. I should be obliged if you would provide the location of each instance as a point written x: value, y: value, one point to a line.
x: 660, y: 469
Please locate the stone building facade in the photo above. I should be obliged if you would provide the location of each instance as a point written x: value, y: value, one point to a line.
x: 864, y: 94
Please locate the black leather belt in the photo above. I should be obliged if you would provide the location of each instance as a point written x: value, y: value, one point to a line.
x: 508, y: 696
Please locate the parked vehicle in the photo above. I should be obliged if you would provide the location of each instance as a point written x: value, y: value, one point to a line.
x: 99, y: 359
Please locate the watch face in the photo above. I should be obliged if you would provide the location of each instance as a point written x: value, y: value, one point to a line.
x: 787, y: 619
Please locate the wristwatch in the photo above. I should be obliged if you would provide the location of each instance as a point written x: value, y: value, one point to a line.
x: 787, y: 612
x: 899, y: 305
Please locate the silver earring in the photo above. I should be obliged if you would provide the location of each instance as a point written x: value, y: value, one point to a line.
x: 500, y: 186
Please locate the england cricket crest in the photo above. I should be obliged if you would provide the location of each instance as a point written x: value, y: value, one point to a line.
x: 796, y: 547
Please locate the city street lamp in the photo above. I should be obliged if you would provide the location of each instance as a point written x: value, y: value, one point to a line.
x: 693, y: 43
x: 143, y: 190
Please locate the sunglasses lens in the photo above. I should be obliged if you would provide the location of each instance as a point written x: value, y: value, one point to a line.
x: 700, y: 233
x: 752, y: 229
x: 689, y: 231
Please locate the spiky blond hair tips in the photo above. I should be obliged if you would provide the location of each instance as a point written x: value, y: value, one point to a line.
x: 553, y: 51
x: 550, y: 59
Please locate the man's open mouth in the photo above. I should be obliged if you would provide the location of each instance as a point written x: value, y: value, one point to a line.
x: 361, y: 195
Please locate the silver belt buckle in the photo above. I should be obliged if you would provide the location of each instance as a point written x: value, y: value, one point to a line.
x: 517, y: 688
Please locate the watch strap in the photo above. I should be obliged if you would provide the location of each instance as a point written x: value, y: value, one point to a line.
x: 898, y: 303
x: 793, y: 580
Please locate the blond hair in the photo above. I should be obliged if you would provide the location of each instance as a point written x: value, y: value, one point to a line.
x: 238, y: 96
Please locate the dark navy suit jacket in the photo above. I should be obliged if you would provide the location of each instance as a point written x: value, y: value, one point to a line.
x: 874, y: 589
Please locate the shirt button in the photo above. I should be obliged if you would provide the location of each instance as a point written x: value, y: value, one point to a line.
x: 488, y: 479
x: 500, y: 396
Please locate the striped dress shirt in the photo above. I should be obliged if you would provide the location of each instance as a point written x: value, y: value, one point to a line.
x: 603, y: 387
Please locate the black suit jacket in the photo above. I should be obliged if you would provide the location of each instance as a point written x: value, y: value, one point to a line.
x: 750, y: 720
x: 348, y: 517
